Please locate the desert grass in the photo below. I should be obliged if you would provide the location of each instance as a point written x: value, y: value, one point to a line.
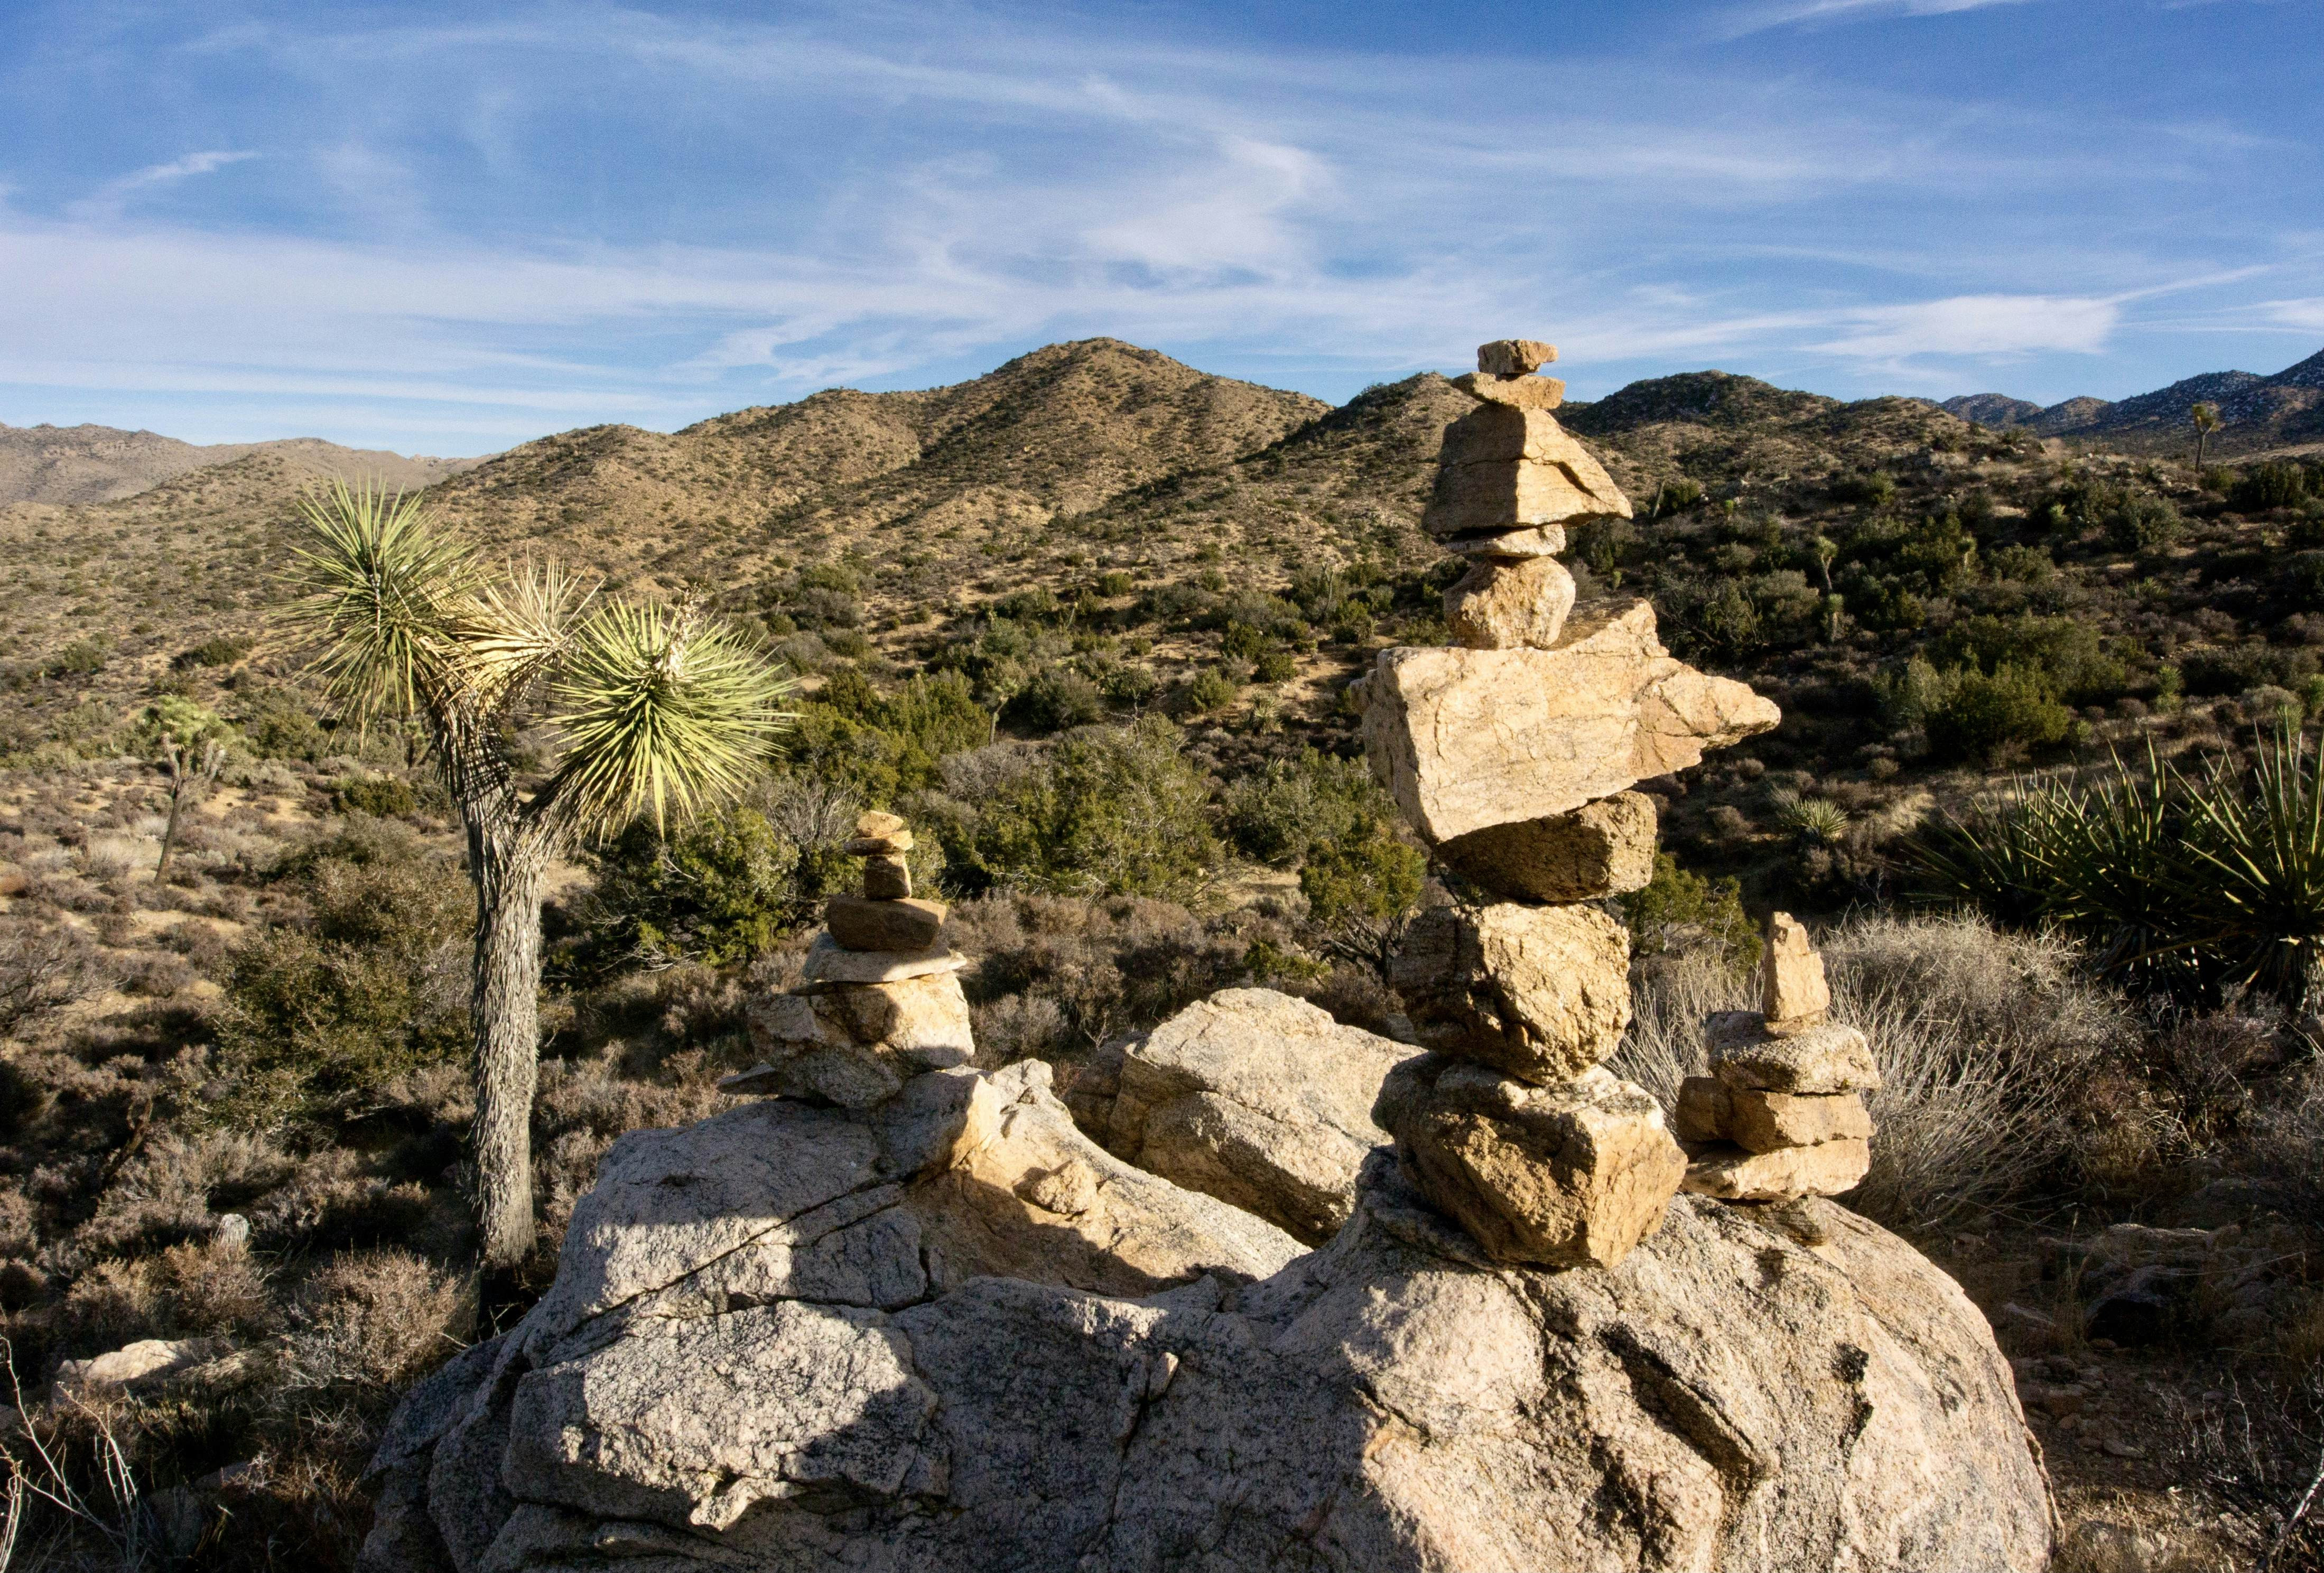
x: 1983, y: 1039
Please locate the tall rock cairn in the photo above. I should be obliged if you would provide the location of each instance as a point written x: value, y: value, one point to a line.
x: 1782, y: 1115
x: 1512, y: 754
x: 880, y: 1000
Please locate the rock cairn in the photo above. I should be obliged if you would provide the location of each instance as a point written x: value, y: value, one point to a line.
x: 880, y: 1001
x: 1782, y: 1115
x: 1512, y: 754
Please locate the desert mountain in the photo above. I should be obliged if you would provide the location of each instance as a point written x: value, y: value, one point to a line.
x: 2255, y: 412
x: 102, y: 463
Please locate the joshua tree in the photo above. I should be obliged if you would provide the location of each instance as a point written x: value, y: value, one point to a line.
x: 190, y: 779
x: 652, y: 709
x: 2206, y: 417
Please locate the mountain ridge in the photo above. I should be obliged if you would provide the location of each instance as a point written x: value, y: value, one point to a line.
x: 2255, y: 412
x: 88, y: 462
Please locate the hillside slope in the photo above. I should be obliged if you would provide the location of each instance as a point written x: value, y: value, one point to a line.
x: 102, y: 463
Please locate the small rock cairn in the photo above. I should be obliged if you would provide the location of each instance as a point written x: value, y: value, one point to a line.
x: 1512, y: 754
x: 880, y: 1001
x: 1782, y: 1113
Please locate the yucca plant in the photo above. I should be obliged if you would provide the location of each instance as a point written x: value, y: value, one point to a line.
x: 2255, y: 868
x: 657, y: 712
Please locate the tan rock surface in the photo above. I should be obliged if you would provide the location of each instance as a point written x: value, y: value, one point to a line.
x: 1540, y: 992
x: 1514, y: 357
x: 1709, y: 1110
x: 829, y: 961
x: 1258, y: 1099
x: 856, y: 1044
x: 1604, y: 847
x: 1566, y: 1176
x: 1521, y: 392
x: 864, y: 925
x: 1511, y: 544
x: 887, y: 876
x: 1734, y: 1174
x: 1831, y: 1058
x: 1794, y: 994
x: 757, y: 1355
x: 1465, y: 740
x: 1510, y: 605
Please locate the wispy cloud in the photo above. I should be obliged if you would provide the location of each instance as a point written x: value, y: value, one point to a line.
x: 109, y: 200
x: 1809, y: 12
x: 734, y: 212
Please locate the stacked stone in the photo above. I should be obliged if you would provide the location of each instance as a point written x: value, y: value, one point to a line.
x: 1507, y: 480
x: 880, y: 1001
x: 1782, y: 1115
x: 1512, y: 755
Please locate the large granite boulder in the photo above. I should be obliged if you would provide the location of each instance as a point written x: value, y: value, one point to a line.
x: 1256, y: 1099
x: 934, y: 1338
x: 1469, y: 738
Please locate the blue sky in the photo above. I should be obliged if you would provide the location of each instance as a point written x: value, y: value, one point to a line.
x: 449, y: 229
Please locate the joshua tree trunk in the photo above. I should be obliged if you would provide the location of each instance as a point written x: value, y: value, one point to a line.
x: 510, y: 864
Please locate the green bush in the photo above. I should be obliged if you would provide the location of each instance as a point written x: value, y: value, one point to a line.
x: 2141, y: 522
x: 1209, y: 692
x: 319, y: 1016
x: 382, y: 796
x: 1876, y: 489
x: 1987, y: 717
x: 1679, y: 907
x: 1280, y: 812
x: 2067, y: 651
x: 2264, y: 488
x: 885, y: 746
x: 83, y: 658
x: 1114, y: 811
x: 1058, y: 697
x: 218, y: 650
x: 1367, y: 876
x: 276, y: 726
x: 722, y: 890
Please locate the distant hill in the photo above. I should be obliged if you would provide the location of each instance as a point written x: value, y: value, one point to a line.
x: 2255, y: 412
x: 102, y: 463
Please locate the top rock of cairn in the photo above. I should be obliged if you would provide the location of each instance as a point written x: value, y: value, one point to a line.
x: 885, y: 918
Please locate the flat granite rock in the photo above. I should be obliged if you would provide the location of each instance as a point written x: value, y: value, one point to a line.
x: 1831, y: 1058
x: 1730, y: 1397
x: 1466, y: 739
x: 829, y: 961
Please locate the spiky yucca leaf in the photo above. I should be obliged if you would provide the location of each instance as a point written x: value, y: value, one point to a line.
x: 382, y: 590
x: 514, y: 633
x: 662, y: 711
x: 2258, y: 866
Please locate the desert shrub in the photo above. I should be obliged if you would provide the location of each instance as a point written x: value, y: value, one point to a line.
x: 1982, y: 1038
x: 1987, y: 716
x: 2141, y: 521
x: 382, y: 796
x: 1874, y: 489
x: 1280, y: 812
x: 43, y: 967
x: 322, y: 1014
x: 218, y: 650
x: 884, y: 745
x: 275, y: 726
x: 1088, y: 971
x: 720, y: 890
x: 1679, y: 910
x: 372, y: 1322
x: 2264, y: 487
x: 1057, y: 698
x: 1208, y: 691
x: 1105, y: 810
x: 2236, y: 669
x: 2067, y: 651
x: 83, y: 658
